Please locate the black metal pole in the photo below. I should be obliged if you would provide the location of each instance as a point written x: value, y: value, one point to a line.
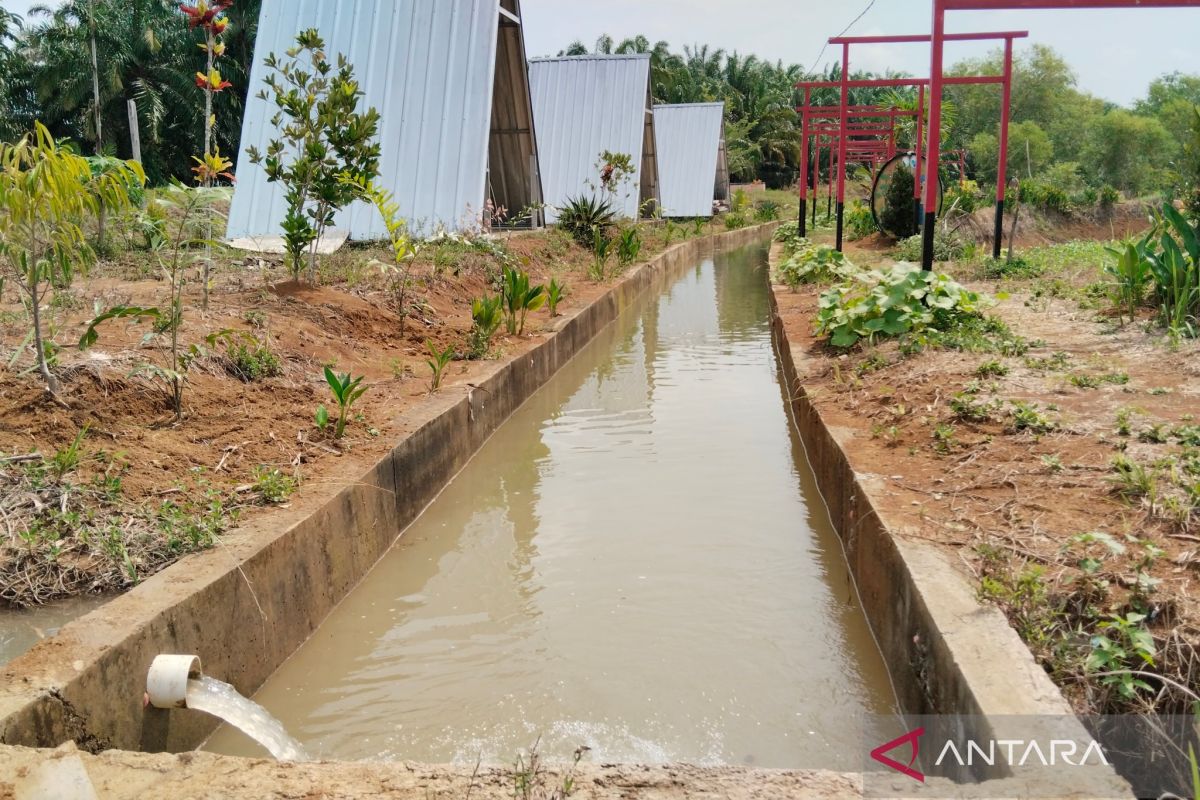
x: 927, y: 240
x: 999, y: 229
x: 841, y: 211
x: 802, y: 225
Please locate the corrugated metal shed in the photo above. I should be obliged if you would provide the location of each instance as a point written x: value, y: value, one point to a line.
x: 584, y: 105
x: 693, y: 168
x: 448, y: 113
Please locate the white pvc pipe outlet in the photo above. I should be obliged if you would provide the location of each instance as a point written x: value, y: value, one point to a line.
x: 167, y: 680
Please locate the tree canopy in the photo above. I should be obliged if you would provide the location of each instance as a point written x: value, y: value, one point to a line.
x: 147, y: 53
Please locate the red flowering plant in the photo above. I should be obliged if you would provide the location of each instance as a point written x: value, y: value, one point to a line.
x: 208, y: 16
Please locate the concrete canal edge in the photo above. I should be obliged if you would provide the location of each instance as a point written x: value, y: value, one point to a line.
x: 246, y: 605
x: 947, y: 652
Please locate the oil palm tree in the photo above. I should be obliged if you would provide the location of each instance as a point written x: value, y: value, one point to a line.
x: 147, y: 54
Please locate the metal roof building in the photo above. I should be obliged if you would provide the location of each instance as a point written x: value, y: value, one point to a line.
x: 693, y: 166
x: 584, y: 105
x: 450, y: 80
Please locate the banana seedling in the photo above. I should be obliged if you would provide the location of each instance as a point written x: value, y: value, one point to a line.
x: 346, y: 391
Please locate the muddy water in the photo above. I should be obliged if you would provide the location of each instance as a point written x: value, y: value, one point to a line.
x: 638, y: 561
x: 21, y: 629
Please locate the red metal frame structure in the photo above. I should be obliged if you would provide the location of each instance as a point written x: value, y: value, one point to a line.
x: 867, y: 126
x: 938, y: 80
x: 919, y: 114
x: 1006, y: 81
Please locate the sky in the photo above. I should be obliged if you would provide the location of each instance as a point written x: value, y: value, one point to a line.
x: 1115, y: 53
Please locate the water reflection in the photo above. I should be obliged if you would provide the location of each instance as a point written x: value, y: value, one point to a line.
x: 637, y: 561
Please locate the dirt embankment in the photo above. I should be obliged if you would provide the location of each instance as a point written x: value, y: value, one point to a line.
x: 1058, y: 462
x: 1038, y: 227
x: 142, y: 488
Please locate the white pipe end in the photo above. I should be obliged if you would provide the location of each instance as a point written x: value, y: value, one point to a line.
x: 166, y: 682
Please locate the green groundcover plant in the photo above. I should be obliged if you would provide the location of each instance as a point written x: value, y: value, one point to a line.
x: 894, y: 301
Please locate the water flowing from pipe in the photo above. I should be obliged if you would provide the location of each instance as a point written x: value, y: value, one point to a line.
x: 223, y: 701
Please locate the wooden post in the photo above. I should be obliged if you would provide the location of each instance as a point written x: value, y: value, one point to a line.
x: 135, y: 134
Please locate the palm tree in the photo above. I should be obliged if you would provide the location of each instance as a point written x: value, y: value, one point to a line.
x: 146, y: 54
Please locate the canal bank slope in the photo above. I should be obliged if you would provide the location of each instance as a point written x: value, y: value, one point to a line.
x: 246, y: 606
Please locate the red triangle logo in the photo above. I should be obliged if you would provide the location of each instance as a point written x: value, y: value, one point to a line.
x: 913, y: 740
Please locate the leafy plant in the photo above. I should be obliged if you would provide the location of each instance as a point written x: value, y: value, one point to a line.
x: 438, y: 361
x: 898, y: 216
x: 1124, y: 647
x: 554, y: 295
x: 273, y: 485
x: 67, y: 459
x: 211, y: 165
x: 1130, y: 276
x: 487, y: 315
x: 811, y: 263
x: 900, y: 299
x: 629, y: 245
x: 324, y: 139
x: 250, y: 359
x: 1028, y: 417
x: 767, y: 211
x: 992, y: 368
x: 45, y: 190
x: 582, y: 217
x: 946, y: 247
x: 188, y: 206
x: 616, y: 171
x: 346, y: 391
x: 1134, y: 481
x: 601, y: 249
x: 519, y: 299
x: 860, y: 223
x: 1175, y: 262
x: 396, y: 273
x: 735, y: 220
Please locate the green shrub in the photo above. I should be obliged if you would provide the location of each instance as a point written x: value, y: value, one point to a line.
x: 767, y: 211
x: 251, y: 360
x: 1109, y: 196
x: 735, y: 220
x: 815, y: 264
x: 964, y: 197
x: 583, y: 216
x: 898, y: 300
x: 1039, y: 194
x: 789, y: 236
x: 899, y: 207
x: 787, y: 231
x: 1085, y: 198
x: 946, y: 247
x: 859, y: 221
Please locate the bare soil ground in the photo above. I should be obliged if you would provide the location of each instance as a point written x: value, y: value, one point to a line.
x: 1010, y: 457
x: 144, y: 488
x: 126, y: 776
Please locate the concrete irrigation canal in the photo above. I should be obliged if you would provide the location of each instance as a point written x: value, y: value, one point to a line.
x: 637, y: 543
x: 638, y: 561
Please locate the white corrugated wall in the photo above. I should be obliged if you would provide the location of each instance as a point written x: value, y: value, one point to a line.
x: 689, y: 140
x: 427, y: 66
x: 583, y: 105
